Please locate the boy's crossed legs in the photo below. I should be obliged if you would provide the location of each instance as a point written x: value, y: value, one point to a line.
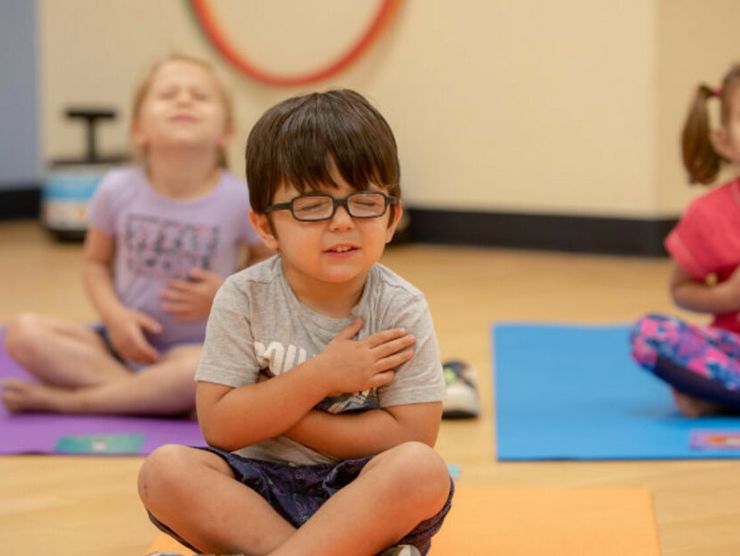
x: 195, y: 493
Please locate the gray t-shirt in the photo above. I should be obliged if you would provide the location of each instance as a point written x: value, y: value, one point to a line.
x: 159, y: 237
x: 258, y: 323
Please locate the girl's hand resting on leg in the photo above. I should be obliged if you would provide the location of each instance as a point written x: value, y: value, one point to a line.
x: 127, y: 336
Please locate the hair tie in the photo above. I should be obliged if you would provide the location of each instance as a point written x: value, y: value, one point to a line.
x: 717, y: 92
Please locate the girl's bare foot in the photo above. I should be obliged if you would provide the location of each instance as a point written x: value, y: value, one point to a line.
x: 20, y: 396
x: 694, y: 407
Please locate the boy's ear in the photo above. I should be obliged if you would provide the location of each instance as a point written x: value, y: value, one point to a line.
x: 397, y: 215
x: 261, y: 224
x: 721, y: 143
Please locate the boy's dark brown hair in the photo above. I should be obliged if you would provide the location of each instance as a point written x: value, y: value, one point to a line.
x: 700, y: 158
x: 300, y: 141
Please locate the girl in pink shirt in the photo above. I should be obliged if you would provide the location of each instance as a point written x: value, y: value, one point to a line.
x: 702, y: 363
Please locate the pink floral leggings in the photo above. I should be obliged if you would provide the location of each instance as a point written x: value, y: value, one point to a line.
x: 698, y: 360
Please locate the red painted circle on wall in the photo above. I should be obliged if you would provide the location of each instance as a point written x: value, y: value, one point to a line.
x: 218, y: 39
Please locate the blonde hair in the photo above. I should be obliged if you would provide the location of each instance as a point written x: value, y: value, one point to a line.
x: 143, y: 89
x: 700, y: 158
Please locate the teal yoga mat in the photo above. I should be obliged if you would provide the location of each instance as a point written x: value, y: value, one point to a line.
x: 572, y: 392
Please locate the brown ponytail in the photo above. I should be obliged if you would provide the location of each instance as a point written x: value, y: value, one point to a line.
x: 700, y: 158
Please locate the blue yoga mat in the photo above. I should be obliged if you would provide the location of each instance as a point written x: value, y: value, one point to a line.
x: 568, y: 392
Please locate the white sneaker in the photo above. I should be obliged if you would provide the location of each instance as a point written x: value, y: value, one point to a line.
x: 461, y: 400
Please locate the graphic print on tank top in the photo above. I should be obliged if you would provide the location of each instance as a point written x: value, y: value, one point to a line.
x: 166, y: 248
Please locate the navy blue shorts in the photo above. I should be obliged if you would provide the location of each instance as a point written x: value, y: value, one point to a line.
x: 102, y: 331
x: 296, y: 492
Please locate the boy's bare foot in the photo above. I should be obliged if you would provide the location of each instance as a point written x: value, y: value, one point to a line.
x: 20, y: 396
x: 694, y: 407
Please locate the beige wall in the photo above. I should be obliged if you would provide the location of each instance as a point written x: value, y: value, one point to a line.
x: 565, y: 106
x: 697, y: 41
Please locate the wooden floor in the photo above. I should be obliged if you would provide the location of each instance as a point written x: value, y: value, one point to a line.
x: 88, y: 506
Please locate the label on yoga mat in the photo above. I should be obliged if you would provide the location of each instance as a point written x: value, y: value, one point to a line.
x: 715, y: 440
x: 454, y: 470
x: 100, y: 444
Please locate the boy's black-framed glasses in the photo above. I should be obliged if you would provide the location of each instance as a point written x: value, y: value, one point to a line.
x: 314, y: 207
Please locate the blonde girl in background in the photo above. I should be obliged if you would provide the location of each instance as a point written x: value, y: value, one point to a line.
x: 163, y: 236
x: 702, y: 363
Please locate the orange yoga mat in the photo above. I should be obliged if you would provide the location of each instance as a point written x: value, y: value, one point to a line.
x: 532, y: 521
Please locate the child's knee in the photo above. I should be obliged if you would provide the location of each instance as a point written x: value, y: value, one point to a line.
x: 187, y: 359
x: 20, y: 335
x: 160, y: 471
x: 419, y: 470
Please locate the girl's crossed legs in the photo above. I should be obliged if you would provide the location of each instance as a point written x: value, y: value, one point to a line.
x: 665, y: 344
x: 79, y: 374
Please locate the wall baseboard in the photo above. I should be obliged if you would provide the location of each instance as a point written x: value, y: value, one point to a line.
x: 21, y: 202
x: 583, y: 234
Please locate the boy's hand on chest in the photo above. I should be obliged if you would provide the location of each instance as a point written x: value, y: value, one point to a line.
x: 352, y: 365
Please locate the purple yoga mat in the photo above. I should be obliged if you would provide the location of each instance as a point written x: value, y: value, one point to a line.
x: 38, y: 433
